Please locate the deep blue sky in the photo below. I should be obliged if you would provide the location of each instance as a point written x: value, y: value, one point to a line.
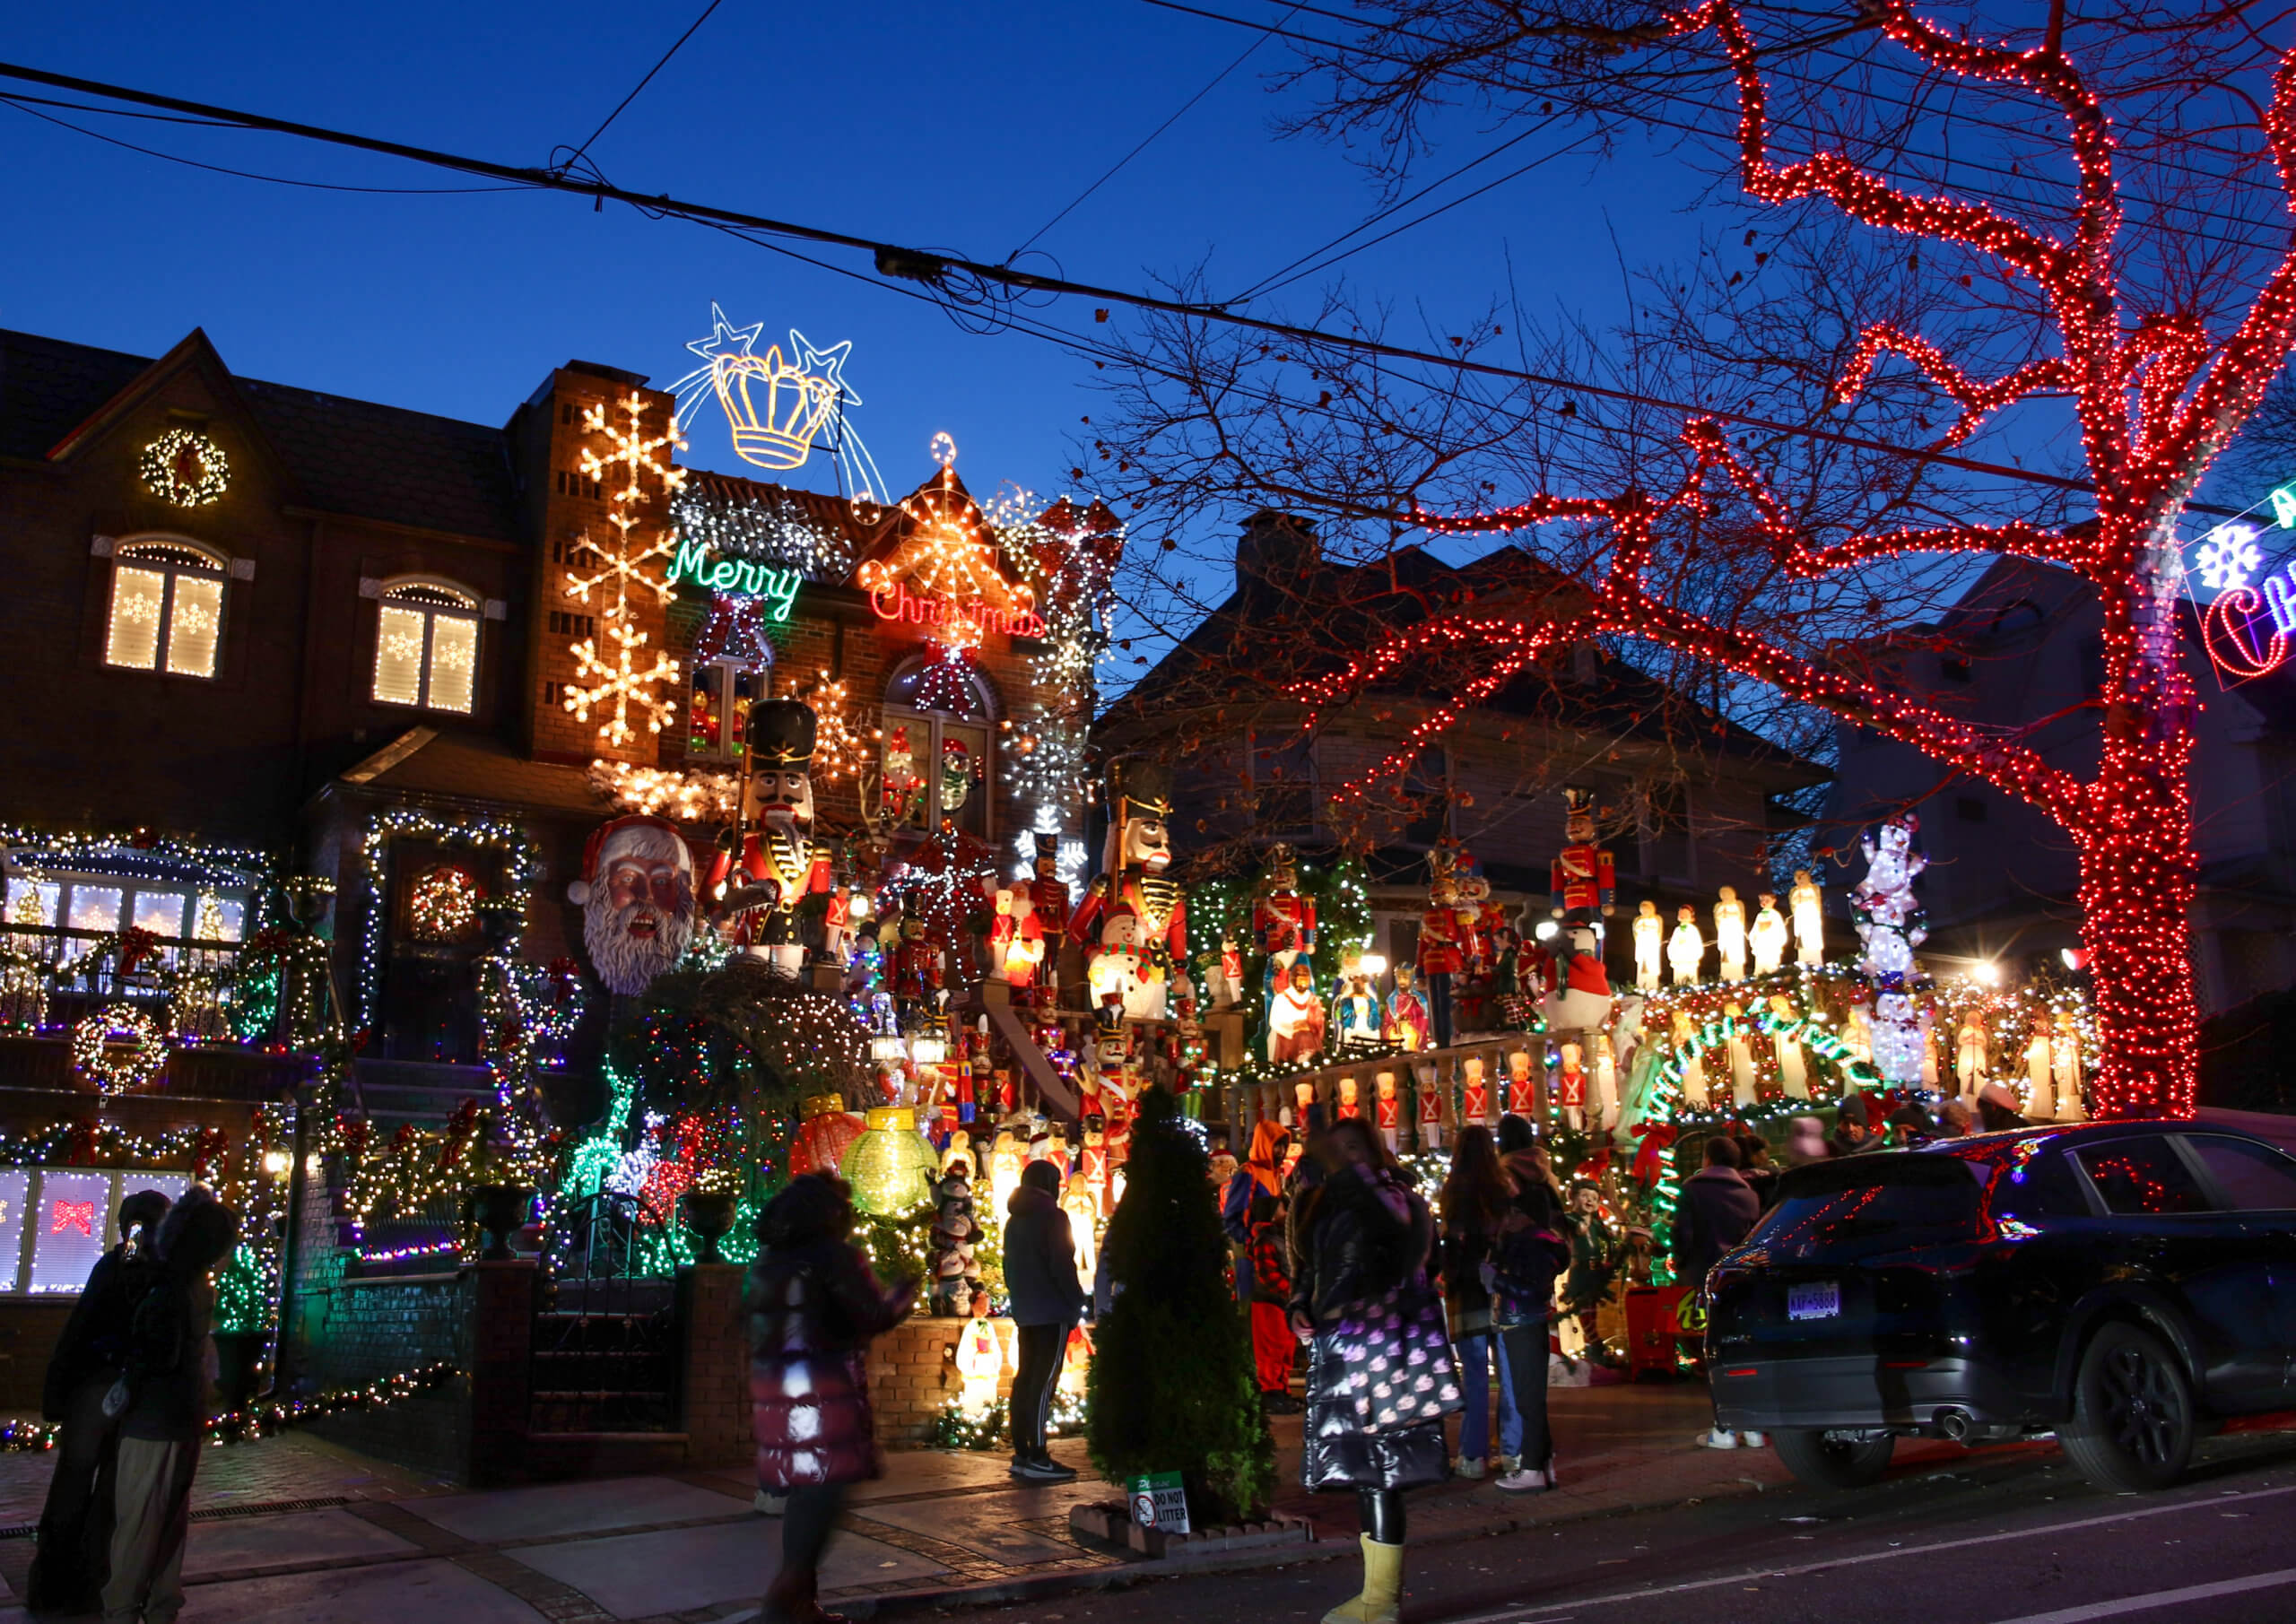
x: 955, y: 125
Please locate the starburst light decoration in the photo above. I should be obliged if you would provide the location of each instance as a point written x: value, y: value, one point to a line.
x: 2229, y: 558
x: 623, y: 677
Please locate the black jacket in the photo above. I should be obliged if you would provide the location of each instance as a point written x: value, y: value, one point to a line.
x: 1348, y: 1247
x: 94, y: 1345
x: 1718, y: 1209
x: 1040, y: 1261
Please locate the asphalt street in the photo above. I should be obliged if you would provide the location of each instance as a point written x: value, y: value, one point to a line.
x: 2006, y: 1536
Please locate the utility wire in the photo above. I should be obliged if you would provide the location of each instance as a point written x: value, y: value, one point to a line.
x: 1217, y: 79
x: 642, y: 83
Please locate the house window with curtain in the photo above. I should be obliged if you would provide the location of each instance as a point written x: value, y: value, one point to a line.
x: 936, y: 760
x: 167, y: 608
x: 426, y: 648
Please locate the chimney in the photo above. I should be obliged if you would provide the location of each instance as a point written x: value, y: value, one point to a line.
x: 1277, y: 545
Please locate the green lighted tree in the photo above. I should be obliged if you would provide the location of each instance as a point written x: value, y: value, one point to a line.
x: 1172, y: 1387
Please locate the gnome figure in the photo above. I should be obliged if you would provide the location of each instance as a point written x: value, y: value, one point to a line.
x: 759, y: 880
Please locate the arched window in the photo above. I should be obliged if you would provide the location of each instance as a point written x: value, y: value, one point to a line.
x: 426, y: 646
x: 167, y: 608
x: 939, y: 727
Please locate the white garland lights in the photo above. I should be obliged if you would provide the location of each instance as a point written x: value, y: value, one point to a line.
x: 519, y: 859
x: 96, y: 1038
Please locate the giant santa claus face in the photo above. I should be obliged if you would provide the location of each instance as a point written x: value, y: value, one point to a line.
x: 637, y: 903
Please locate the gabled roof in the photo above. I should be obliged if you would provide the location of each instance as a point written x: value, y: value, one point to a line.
x: 462, y: 767
x: 1260, y: 638
x: 342, y: 456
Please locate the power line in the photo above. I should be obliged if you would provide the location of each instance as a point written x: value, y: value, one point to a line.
x: 642, y: 83
x: 935, y: 269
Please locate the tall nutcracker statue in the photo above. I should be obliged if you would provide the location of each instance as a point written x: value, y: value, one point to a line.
x: 1584, y: 877
x: 1049, y: 900
x: 1442, y: 953
x: 1284, y: 923
x: 775, y: 863
x: 1133, y: 882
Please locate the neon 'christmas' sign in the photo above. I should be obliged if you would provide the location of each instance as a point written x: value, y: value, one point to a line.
x: 775, y: 589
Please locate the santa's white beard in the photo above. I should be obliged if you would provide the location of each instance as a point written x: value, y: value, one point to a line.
x: 627, y: 962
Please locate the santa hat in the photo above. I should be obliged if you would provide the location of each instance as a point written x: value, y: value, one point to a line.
x: 614, y: 832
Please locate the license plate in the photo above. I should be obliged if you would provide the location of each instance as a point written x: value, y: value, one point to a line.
x: 1820, y: 1301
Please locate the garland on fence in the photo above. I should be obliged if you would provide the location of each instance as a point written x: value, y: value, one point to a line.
x: 260, y: 1421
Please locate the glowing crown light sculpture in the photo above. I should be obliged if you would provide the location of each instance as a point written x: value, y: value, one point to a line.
x: 778, y: 407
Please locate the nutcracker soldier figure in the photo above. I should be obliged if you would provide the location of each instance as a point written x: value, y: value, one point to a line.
x: 1583, y: 879
x: 1429, y: 1081
x: 1283, y: 923
x: 1522, y: 1088
x: 1390, y: 1111
x: 1475, y: 1092
x: 1049, y: 898
x: 1132, y: 873
x: 1442, y: 955
x: 777, y: 862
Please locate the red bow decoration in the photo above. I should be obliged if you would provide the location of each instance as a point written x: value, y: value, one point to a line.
x: 135, y: 945
x: 78, y: 1215
x: 1597, y: 1165
x: 1649, y: 1160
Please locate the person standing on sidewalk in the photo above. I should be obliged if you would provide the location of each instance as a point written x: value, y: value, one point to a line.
x: 1360, y: 1297
x: 1262, y: 1174
x: 67, y: 1572
x: 1527, y: 1257
x: 1274, y: 1347
x: 1475, y: 1200
x: 162, y: 1399
x: 1718, y: 1209
x: 813, y: 1305
x: 1047, y: 1300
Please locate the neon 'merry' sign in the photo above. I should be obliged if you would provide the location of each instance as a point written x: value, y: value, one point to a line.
x: 774, y: 588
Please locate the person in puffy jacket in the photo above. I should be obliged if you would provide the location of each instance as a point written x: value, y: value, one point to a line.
x: 1528, y: 1255
x: 1047, y: 1300
x: 1361, y: 1242
x: 813, y: 1307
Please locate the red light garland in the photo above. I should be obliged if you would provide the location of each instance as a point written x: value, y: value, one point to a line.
x: 2156, y: 404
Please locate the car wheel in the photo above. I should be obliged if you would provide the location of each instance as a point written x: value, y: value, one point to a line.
x: 2133, y: 1423
x: 1834, y: 1460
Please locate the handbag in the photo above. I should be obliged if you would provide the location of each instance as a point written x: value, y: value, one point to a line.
x: 1402, y: 1371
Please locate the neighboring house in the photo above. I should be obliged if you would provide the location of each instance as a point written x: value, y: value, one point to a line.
x: 2024, y: 643
x: 1686, y: 797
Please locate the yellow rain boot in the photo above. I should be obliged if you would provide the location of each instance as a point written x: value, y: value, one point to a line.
x: 1381, y: 1602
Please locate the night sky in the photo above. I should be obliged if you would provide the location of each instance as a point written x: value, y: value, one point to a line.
x: 956, y: 127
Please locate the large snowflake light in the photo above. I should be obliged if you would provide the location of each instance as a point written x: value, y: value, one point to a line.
x: 621, y: 676
x: 2229, y: 558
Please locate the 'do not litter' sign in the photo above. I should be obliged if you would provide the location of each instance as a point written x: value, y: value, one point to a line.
x: 1158, y: 1501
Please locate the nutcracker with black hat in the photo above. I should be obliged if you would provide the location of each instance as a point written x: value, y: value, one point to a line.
x: 1133, y: 882
x: 769, y: 862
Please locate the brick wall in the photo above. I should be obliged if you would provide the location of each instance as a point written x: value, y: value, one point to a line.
x: 357, y: 1330
x: 713, y: 1365
x: 29, y: 1329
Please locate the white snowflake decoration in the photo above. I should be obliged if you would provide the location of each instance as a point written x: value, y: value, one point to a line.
x: 2229, y: 558
x: 625, y: 677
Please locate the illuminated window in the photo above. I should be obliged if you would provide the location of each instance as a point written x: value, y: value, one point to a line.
x: 55, y: 1222
x: 936, y: 760
x: 426, y: 648
x: 718, y: 707
x: 166, y: 609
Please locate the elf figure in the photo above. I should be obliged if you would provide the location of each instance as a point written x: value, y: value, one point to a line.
x: 1730, y: 934
x: 1407, y: 1023
x: 1809, y: 919
x: 778, y: 863
x: 1430, y: 1105
x: 1686, y: 946
x: 1284, y: 923
x: 1570, y: 1087
x: 1390, y: 1112
x: 1768, y: 937
x: 1649, y: 946
x: 1583, y: 879
x: 1522, y: 1088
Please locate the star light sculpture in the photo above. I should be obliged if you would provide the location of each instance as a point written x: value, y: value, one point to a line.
x: 2228, y: 558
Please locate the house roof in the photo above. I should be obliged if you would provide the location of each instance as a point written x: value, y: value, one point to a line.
x: 1229, y: 658
x: 462, y: 767
x: 349, y: 456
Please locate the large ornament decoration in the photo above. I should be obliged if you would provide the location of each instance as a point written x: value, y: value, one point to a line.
x: 185, y: 467
x: 1890, y: 924
x: 635, y: 893
x: 823, y: 1139
x: 774, y: 862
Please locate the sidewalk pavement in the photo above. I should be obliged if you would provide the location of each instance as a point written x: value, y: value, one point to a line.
x: 295, y: 1530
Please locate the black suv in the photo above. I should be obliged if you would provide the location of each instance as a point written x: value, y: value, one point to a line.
x: 2119, y: 1284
